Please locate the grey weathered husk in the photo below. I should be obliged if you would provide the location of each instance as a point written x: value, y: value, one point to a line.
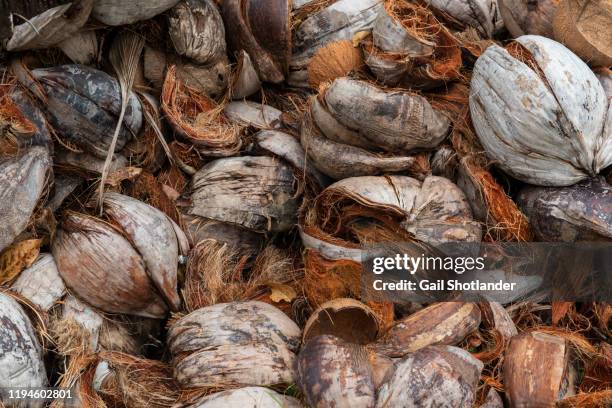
x: 439, y: 324
x: 21, y: 355
x: 265, y: 187
x: 339, y: 21
x: 197, y: 32
x: 253, y: 397
x: 393, y: 121
x: 240, y: 239
x: 50, y: 27
x: 219, y: 346
x: 529, y: 17
x: 434, y: 376
x: 100, y: 265
x: 582, y: 212
x: 537, y: 370
x: 483, y: 15
x: 82, y: 47
x: 41, y: 283
x: 86, y: 164
x: 120, y: 12
x: 344, y: 318
x: 83, y: 104
x: 544, y: 126
x: 341, y: 153
x: 248, y: 113
x: 245, y: 81
x: 389, y: 35
x: 331, y: 372
x: 22, y: 180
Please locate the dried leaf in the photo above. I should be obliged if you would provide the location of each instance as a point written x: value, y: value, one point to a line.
x: 282, y: 292
x: 17, y: 257
x: 126, y: 173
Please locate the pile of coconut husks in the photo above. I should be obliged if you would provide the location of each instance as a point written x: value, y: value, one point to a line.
x: 186, y: 188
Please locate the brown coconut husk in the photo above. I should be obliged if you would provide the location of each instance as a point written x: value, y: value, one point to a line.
x: 198, y: 119
x: 584, y: 27
x: 334, y: 60
x: 146, y: 188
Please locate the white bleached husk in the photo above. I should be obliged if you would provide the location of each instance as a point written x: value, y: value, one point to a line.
x: 257, y: 193
x: 543, y: 129
x: 22, y: 180
x: 432, y: 377
x: 197, y: 32
x: 120, y: 12
x: 219, y: 346
x: 254, y: 397
x: 339, y: 21
x: 50, y: 27
x: 21, y: 356
x: 41, y: 283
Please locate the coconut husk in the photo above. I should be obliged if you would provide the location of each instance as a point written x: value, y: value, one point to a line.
x: 86, y: 165
x: 524, y: 17
x: 334, y: 60
x: 578, y: 24
x: 118, y: 12
x: 216, y: 347
x: 241, y: 240
x: 198, y: 119
x: 82, y: 47
x: 481, y: 15
x: 256, y: 397
x: 245, y: 81
x: 432, y: 376
x: 253, y: 114
x: 40, y: 283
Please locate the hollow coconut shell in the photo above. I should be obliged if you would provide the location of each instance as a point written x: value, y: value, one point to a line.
x: 344, y: 318
x: 254, y: 397
x: 579, y: 24
x: 119, y: 12
x: 22, y: 180
x: 529, y: 17
x: 432, y: 377
x: 444, y: 323
x: 21, y: 355
x: 264, y: 184
x: 544, y: 123
x: 218, y: 346
x: 537, y: 370
x: 582, y: 212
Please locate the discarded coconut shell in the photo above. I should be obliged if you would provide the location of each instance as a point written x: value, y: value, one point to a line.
x: 197, y: 118
x: 537, y: 370
x: 141, y: 244
x: 197, y: 32
x: 483, y: 15
x: 264, y: 184
x: 344, y: 318
x: 444, y: 323
x: 340, y: 20
x: 529, y: 17
x: 245, y: 80
x: 119, y: 12
x: 199, y: 229
x: 582, y: 212
x: 22, y: 180
x: 21, y: 356
x: 254, y: 397
x: 41, y: 283
x: 542, y: 125
x: 434, y: 376
x: 261, y: 28
x: 50, y: 27
x: 218, y: 346
x: 83, y: 114
x: 257, y: 115
x: 579, y: 24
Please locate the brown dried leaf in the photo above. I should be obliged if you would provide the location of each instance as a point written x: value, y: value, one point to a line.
x: 17, y: 257
x: 282, y: 292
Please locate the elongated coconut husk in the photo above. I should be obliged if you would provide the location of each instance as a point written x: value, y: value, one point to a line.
x: 345, y: 318
x: 432, y: 376
x: 578, y: 213
x: 265, y: 186
x: 20, y: 350
x: 118, y: 12
x: 218, y: 346
x: 578, y: 24
x: 41, y: 283
x: 82, y: 47
x: 245, y: 81
x: 529, y: 17
x: 50, y: 27
x: 22, y: 180
x: 335, y: 60
x: 254, y: 397
x: 537, y: 370
x: 198, y: 119
x: 86, y: 165
x: 439, y: 324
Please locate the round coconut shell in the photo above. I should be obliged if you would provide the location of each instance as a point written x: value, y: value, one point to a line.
x: 584, y: 27
x: 335, y: 60
x: 345, y: 318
